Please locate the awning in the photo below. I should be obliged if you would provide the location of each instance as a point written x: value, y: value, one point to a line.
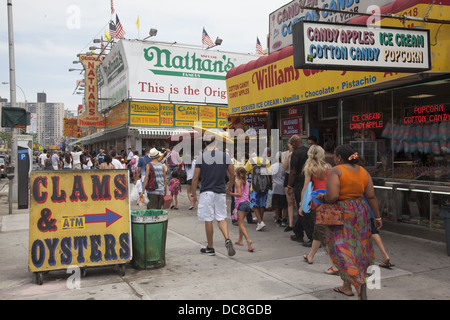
x: 158, y: 132
x: 116, y: 132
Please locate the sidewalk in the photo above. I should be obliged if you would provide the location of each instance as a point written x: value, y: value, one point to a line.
x: 276, y: 270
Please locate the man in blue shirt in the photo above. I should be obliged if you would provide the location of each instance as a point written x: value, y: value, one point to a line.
x: 212, y: 167
x: 141, y: 165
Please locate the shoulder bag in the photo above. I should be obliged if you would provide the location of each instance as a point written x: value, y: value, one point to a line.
x: 330, y: 214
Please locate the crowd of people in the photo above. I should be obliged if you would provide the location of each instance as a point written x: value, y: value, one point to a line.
x: 79, y: 159
x: 257, y: 184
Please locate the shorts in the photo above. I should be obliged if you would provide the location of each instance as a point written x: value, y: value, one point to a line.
x: 244, y: 207
x: 212, y: 206
x: 258, y: 199
x: 279, y: 201
x: 189, y: 182
x: 155, y: 201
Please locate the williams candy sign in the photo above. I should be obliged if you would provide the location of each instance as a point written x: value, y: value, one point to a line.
x: 175, y: 73
x: 330, y: 46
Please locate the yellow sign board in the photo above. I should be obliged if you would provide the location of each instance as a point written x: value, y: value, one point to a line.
x: 178, y: 115
x: 91, y: 117
x: 79, y: 218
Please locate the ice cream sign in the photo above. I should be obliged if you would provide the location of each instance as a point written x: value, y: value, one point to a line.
x: 329, y: 46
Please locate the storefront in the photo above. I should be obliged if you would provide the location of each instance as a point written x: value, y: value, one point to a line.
x: 149, y: 91
x: 399, y: 122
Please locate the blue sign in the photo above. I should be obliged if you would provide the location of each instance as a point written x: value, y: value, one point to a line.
x: 23, y: 154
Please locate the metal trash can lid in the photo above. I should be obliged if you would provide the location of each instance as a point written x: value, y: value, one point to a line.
x: 149, y: 216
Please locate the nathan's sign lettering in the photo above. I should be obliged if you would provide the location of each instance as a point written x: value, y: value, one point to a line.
x: 91, y: 117
x: 163, y: 58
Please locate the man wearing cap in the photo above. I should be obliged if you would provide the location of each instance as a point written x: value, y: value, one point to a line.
x: 156, y: 197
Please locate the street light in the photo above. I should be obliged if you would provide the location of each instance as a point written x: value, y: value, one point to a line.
x: 217, y: 43
x: 151, y: 33
x: 25, y: 97
x: 95, y: 48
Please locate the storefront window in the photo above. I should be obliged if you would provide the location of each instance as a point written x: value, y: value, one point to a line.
x: 363, y: 122
x: 403, y: 135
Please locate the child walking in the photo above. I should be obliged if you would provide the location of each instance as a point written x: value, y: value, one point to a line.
x: 174, y: 188
x: 242, y: 206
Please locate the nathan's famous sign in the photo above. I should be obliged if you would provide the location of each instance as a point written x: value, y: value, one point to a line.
x: 91, y: 117
x: 319, y: 45
x: 149, y: 71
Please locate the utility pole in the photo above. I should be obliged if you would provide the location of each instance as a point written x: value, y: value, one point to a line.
x: 12, y: 88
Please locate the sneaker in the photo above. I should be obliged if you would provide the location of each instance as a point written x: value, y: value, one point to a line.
x: 278, y: 223
x: 260, y: 226
x: 307, y: 244
x: 230, y: 248
x: 287, y: 229
x: 208, y: 251
x: 284, y: 223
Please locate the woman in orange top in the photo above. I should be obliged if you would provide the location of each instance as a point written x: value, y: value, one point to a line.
x: 350, y: 245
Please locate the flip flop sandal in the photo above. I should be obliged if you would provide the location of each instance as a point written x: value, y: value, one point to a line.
x: 238, y: 244
x: 251, y: 249
x: 330, y: 271
x: 306, y: 259
x: 338, y: 290
x: 387, y: 265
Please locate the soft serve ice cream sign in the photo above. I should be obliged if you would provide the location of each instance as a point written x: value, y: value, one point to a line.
x: 180, y: 74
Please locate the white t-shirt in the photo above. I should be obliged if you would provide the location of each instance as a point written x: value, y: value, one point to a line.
x: 190, y: 171
x: 42, y: 158
x: 76, y: 157
x: 117, y: 164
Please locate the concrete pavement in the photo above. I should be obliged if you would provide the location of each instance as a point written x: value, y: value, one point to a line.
x: 275, y: 271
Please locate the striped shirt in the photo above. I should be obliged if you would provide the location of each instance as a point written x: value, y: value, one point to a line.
x: 159, y: 179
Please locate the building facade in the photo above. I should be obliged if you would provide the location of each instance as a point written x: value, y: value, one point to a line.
x: 398, y: 122
x: 149, y: 91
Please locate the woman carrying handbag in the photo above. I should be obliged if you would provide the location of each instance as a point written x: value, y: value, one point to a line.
x: 350, y: 245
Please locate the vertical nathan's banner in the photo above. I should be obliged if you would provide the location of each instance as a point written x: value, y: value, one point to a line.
x: 91, y: 117
x: 79, y: 218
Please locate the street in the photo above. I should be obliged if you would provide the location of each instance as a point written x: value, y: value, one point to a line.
x: 275, y: 271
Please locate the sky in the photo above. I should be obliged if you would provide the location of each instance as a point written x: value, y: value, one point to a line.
x: 48, y: 35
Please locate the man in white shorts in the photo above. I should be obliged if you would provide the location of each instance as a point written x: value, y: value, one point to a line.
x: 212, y: 166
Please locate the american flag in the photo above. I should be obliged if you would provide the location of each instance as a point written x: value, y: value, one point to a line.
x: 112, y: 7
x: 259, y: 48
x: 206, y: 40
x: 116, y: 30
x: 120, y: 33
x: 112, y: 29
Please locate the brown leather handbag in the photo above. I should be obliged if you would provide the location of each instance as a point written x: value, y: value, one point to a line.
x: 330, y: 214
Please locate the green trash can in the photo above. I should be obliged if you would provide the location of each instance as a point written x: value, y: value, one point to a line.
x: 149, y: 231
